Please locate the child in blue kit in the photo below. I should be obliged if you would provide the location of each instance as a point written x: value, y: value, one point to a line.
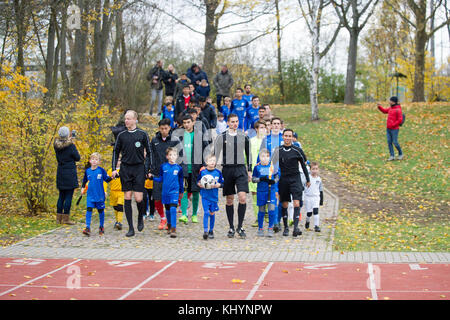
x: 95, y: 198
x: 210, y: 195
x: 169, y: 111
x: 171, y: 177
x: 266, y: 191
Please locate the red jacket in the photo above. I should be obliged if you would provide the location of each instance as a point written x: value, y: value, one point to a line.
x: 395, y: 116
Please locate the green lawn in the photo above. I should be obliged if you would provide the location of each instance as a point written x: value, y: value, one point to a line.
x: 351, y: 141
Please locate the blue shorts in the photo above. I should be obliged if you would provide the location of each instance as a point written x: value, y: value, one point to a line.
x: 210, y: 206
x: 261, y: 198
x: 95, y: 204
x: 170, y: 198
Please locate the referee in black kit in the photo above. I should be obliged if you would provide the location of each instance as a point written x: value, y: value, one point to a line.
x: 134, y: 167
x: 288, y: 156
x: 235, y: 148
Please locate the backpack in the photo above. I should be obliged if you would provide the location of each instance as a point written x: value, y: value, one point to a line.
x: 403, y: 119
x: 116, y: 130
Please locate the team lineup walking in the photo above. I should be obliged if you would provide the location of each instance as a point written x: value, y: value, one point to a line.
x: 239, y: 146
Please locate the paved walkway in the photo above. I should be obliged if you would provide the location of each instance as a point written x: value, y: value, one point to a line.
x: 153, y: 244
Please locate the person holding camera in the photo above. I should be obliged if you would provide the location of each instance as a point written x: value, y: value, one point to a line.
x: 394, y: 121
x: 156, y: 77
x: 66, y: 174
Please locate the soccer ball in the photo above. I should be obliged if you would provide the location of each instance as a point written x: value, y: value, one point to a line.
x: 207, y: 181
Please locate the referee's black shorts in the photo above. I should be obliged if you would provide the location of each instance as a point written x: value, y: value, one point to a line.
x: 290, y: 185
x: 132, y: 177
x: 234, y: 177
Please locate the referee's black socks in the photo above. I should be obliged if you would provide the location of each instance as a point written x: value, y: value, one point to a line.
x: 296, y: 217
x: 284, y: 214
x: 241, y: 214
x: 230, y: 214
x: 129, y: 213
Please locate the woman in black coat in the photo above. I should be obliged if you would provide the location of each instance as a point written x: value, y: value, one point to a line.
x: 66, y: 174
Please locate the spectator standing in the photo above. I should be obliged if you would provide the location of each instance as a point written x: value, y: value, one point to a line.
x: 66, y: 174
x: 394, y: 121
x: 156, y: 76
x: 170, y: 78
x: 223, y: 81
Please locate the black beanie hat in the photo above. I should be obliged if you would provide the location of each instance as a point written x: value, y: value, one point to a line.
x: 394, y: 99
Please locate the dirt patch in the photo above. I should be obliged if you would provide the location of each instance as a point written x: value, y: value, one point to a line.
x: 359, y: 197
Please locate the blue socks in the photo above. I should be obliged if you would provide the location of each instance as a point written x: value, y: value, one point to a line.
x: 212, y: 219
x: 272, y: 216
x: 261, y: 215
x: 173, y: 216
x: 101, y: 215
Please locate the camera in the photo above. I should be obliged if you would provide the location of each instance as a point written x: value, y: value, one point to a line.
x: 74, y: 133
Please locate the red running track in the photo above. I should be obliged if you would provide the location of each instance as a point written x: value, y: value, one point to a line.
x: 64, y: 279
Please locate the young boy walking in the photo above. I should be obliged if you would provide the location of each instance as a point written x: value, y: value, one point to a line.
x: 171, y: 178
x: 267, y: 179
x: 116, y: 198
x: 210, y: 195
x: 314, y: 197
x: 95, y: 175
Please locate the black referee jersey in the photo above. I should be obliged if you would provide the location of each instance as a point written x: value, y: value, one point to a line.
x: 132, y: 144
x: 288, y: 157
x: 235, y: 149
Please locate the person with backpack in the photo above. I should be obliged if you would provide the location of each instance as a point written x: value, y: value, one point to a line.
x: 395, y: 119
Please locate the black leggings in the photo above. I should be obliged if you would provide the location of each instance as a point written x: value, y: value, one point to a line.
x: 151, y: 200
x: 64, y: 201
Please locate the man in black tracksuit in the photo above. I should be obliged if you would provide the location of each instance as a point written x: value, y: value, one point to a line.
x: 287, y: 157
x: 208, y: 113
x: 134, y: 167
x: 234, y: 146
x: 159, y: 144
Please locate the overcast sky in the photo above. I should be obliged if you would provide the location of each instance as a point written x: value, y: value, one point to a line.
x: 295, y: 38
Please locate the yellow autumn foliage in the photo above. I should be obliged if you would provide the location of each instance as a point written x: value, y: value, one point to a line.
x: 28, y: 126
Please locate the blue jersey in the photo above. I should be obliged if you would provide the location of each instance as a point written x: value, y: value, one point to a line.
x: 239, y: 107
x: 95, y: 192
x: 248, y: 97
x: 225, y: 111
x: 171, y: 176
x: 271, y: 142
x: 210, y: 194
x: 251, y: 117
x: 263, y: 171
x: 166, y: 114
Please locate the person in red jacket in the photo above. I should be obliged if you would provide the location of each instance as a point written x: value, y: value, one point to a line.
x: 394, y: 120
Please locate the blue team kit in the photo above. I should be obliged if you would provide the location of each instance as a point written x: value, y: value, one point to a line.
x: 262, y: 190
x: 95, y: 197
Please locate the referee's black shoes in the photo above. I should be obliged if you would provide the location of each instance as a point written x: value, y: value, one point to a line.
x: 296, y: 232
x: 230, y: 233
x: 241, y: 233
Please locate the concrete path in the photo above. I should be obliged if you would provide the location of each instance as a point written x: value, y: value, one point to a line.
x: 153, y: 244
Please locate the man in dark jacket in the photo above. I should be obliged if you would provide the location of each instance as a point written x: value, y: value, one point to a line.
x: 208, y: 112
x: 66, y: 174
x: 180, y: 84
x: 156, y: 77
x: 158, y: 146
x: 169, y: 80
x: 193, y: 147
x: 195, y: 74
x: 182, y: 102
x: 223, y: 81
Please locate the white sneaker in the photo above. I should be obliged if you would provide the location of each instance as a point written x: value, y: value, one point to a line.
x: 400, y: 157
x: 391, y: 158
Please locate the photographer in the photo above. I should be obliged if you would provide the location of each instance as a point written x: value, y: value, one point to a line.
x: 66, y: 174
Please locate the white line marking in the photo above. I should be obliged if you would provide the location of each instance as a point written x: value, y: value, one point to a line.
x: 260, y: 280
x: 35, y: 279
x: 146, y: 280
x: 373, y: 287
x: 415, y: 266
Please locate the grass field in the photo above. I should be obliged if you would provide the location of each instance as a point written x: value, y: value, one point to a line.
x: 351, y: 141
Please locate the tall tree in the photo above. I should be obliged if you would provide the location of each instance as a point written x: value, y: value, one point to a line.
x: 422, y: 36
x: 354, y: 21
x: 312, y: 11
x: 280, y: 70
x: 242, y: 12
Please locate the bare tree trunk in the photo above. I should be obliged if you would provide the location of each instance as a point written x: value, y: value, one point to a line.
x: 63, y: 39
x: 20, y: 8
x: 210, y: 36
x: 351, y: 69
x: 419, y: 64
x: 79, y: 57
x: 50, y: 51
x: 280, y: 71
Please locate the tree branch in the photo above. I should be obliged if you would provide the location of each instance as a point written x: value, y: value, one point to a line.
x: 248, y: 42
